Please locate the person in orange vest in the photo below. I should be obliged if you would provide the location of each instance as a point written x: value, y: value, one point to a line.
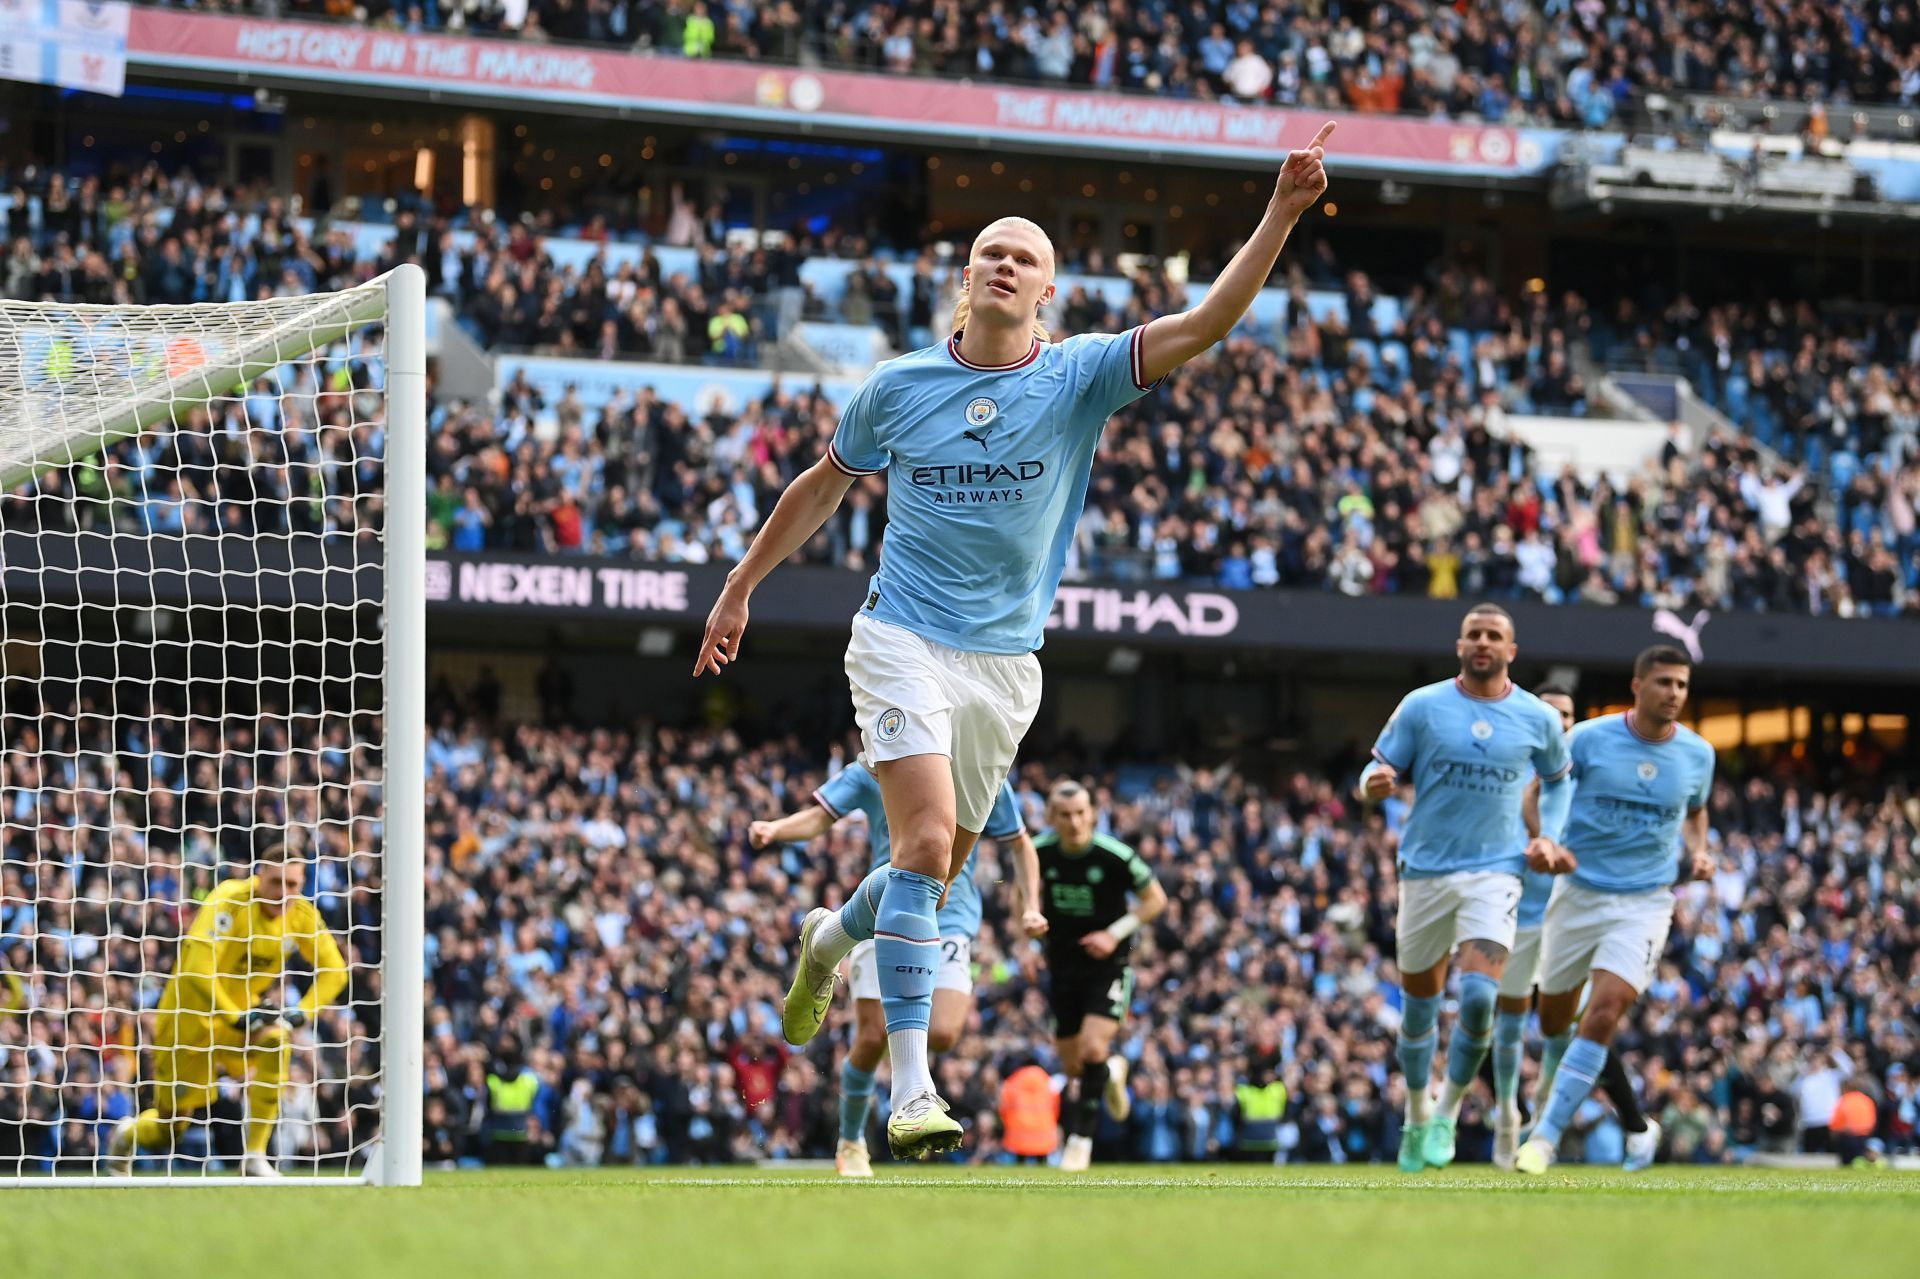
x: 1029, y: 1113
x: 1855, y: 1120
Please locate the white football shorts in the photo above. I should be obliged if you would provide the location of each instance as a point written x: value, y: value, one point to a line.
x: 913, y: 696
x: 1589, y: 931
x: 1440, y: 912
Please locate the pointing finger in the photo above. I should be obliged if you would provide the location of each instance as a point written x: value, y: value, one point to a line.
x: 1326, y: 131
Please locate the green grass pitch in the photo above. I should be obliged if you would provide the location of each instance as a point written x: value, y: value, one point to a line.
x: 1171, y: 1223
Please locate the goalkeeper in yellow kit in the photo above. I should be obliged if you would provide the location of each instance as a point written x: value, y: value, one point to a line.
x: 211, y: 1021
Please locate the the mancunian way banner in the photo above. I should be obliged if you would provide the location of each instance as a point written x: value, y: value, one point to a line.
x: 856, y: 103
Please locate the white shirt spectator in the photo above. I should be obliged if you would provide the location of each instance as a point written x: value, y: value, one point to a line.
x: 1772, y: 500
x: 1536, y: 563
x: 1818, y: 1091
x: 1449, y: 454
x: 1052, y: 49
x: 1249, y: 76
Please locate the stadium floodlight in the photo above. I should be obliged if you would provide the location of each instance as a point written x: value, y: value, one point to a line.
x: 253, y: 473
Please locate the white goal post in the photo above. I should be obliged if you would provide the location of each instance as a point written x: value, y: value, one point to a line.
x: 212, y: 712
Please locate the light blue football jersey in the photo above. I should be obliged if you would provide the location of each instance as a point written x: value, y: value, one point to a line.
x: 1469, y: 759
x: 854, y: 789
x: 986, y: 474
x: 1631, y: 797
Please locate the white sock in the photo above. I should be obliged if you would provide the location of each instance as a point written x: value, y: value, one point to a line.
x: 830, y: 942
x: 1450, y: 1098
x: 1419, y: 1105
x: 907, y: 1050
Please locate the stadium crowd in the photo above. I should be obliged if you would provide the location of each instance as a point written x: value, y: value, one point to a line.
x: 606, y: 954
x: 1322, y: 450
x: 1554, y: 63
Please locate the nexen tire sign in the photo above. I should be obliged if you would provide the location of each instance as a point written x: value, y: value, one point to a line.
x: 1104, y: 610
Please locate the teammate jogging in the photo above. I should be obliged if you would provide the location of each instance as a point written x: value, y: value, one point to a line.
x: 1086, y: 880
x: 854, y: 789
x: 1639, y: 817
x: 1502, y: 1072
x: 988, y: 441
x: 1470, y: 746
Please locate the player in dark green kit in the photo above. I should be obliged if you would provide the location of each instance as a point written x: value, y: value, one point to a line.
x: 1085, y: 881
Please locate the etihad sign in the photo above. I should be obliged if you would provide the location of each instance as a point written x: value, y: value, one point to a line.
x: 1105, y: 610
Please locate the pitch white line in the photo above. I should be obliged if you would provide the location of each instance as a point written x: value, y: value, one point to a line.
x: 1880, y: 1184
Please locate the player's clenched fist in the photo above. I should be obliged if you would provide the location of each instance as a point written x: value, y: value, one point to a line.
x: 1033, y: 923
x: 1380, y: 783
x: 760, y: 834
x: 1548, y: 858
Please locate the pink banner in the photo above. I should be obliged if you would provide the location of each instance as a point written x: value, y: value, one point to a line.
x: 870, y: 104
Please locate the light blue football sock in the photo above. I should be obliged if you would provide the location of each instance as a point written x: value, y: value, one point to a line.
x: 1473, y: 1030
x: 857, y: 916
x: 1572, y: 1084
x: 1554, y: 1049
x: 906, y: 947
x: 1417, y: 1039
x: 1509, y: 1047
x: 856, y: 1099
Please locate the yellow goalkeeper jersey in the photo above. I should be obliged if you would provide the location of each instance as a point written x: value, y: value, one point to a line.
x: 236, y: 950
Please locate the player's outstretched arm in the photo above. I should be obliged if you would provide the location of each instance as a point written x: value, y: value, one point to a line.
x: 1172, y: 340
x: 794, y: 828
x: 796, y: 517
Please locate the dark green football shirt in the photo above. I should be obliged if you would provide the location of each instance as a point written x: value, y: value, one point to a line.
x: 1083, y: 892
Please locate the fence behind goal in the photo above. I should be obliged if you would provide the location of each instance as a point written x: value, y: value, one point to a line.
x: 212, y: 645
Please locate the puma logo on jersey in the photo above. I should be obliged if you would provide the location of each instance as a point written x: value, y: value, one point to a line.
x: 978, y: 437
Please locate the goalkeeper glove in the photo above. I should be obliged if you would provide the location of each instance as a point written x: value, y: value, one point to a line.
x: 293, y: 1018
x: 258, y: 1018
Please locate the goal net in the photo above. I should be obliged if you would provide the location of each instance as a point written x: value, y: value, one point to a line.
x: 211, y: 709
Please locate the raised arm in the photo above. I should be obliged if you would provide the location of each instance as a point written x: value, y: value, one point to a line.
x: 796, y: 517
x: 1172, y: 340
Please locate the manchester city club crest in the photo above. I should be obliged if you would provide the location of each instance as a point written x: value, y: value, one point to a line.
x: 892, y: 722
x: 1648, y: 770
x: 1482, y: 730
x: 982, y: 411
